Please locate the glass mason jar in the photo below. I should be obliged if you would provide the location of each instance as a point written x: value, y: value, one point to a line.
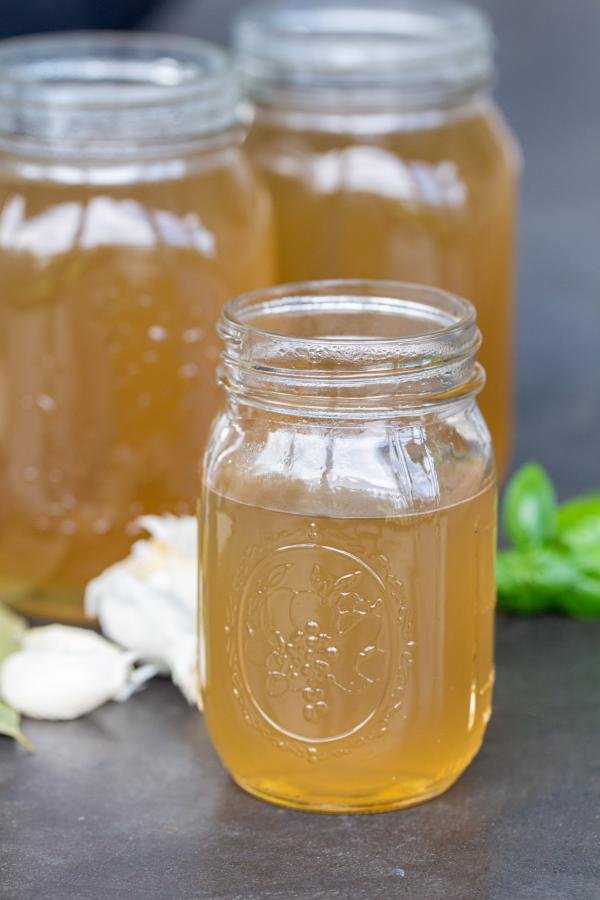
x: 386, y: 157
x: 348, y: 538
x: 128, y: 216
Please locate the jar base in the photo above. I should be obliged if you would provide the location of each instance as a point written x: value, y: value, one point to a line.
x: 366, y: 805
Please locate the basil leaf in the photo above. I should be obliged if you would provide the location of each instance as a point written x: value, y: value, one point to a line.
x: 533, y: 581
x: 529, y: 509
x: 587, y: 560
x: 579, y: 523
x: 582, y: 600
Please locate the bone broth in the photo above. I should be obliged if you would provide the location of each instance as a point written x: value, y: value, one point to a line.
x: 386, y: 157
x: 350, y: 660
x: 347, y: 546
x: 117, y: 251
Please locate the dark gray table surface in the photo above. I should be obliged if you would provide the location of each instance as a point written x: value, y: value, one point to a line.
x: 131, y: 802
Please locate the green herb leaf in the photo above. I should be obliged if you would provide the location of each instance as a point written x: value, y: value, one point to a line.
x: 555, y: 562
x: 529, y: 509
x: 533, y: 581
x: 579, y: 524
x: 12, y: 629
x: 587, y: 560
x: 582, y: 600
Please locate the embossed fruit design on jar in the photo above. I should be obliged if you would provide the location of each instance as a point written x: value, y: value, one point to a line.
x: 348, y: 532
x: 313, y: 634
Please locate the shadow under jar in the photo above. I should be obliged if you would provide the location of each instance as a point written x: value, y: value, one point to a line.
x: 128, y: 216
x: 386, y: 157
x: 347, y: 553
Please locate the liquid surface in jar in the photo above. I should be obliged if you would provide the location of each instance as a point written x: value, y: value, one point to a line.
x: 349, y: 662
x: 110, y: 296
x: 433, y: 205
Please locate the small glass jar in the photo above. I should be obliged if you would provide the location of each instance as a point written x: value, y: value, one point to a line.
x: 348, y: 538
x: 128, y: 216
x: 386, y: 157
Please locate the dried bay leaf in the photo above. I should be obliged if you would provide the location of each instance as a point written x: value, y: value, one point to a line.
x: 9, y: 726
x: 12, y: 629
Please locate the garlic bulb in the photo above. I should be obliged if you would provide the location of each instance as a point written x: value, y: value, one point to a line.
x: 62, y: 673
x: 147, y: 601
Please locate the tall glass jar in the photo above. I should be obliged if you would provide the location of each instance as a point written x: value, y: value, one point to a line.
x: 386, y: 156
x: 348, y: 536
x: 128, y: 216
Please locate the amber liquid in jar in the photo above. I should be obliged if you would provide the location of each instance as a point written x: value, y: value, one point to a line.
x: 435, y: 206
x: 352, y: 664
x: 384, y: 167
x: 111, y: 289
x: 347, y: 547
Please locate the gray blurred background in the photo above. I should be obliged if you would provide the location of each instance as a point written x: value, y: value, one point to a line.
x: 549, y: 72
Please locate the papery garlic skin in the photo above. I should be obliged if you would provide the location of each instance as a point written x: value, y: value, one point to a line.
x: 62, y: 673
x: 147, y: 601
x: 178, y: 533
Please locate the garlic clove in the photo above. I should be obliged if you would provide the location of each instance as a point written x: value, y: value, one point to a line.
x: 67, y: 639
x: 136, y: 614
x: 50, y: 685
x: 147, y: 602
x: 63, y: 673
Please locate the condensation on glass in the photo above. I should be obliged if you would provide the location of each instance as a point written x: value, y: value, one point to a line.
x: 128, y: 216
x: 386, y: 157
x: 348, y: 535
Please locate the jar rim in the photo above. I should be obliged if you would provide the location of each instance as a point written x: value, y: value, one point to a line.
x: 411, y: 53
x: 350, y: 341
x: 348, y: 295
x: 114, y: 88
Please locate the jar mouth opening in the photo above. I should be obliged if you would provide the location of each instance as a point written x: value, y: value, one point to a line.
x: 112, y: 86
x: 112, y: 68
x: 331, y: 346
x: 425, y: 47
x: 323, y: 317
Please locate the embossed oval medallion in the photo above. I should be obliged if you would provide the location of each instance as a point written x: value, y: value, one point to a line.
x: 314, y: 641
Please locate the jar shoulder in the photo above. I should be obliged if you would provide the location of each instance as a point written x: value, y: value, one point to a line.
x: 479, y: 143
x: 178, y: 183
x: 368, y: 469
x: 205, y: 207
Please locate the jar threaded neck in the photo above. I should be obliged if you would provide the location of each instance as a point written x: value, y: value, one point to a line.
x: 90, y: 93
x: 334, y: 347
x: 409, y: 54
